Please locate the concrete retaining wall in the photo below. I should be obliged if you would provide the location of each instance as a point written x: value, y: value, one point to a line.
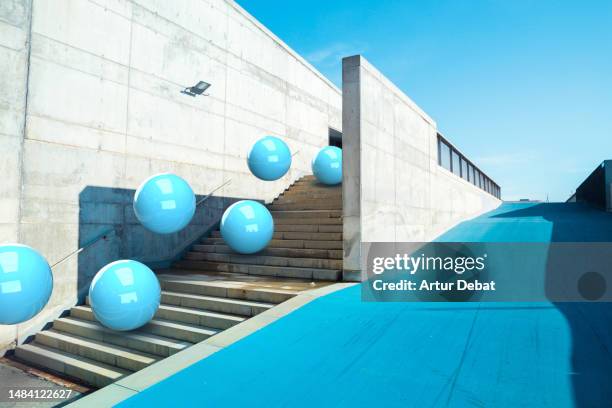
x: 393, y: 188
x: 104, y: 111
x: 14, y: 54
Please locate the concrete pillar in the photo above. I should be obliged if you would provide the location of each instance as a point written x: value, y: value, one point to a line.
x: 351, y: 167
x: 393, y: 188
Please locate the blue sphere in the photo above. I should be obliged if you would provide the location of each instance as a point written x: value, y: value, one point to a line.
x: 327, y: 165
x: 26, y: 283
x: 269, y: 158
x: 124, y: 295
x: 247, y: 226
x: 164, y: 203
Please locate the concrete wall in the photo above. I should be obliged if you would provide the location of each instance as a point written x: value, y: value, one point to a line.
x: 104, y: 112
x: 393, y: 188
x: 14, y: 54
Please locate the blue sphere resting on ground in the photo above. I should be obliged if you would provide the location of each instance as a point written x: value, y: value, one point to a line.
x: 124, y: 295
x: 327, y: 165
x: 269, y: 158
x: 247, y: 226
x: 26, y: 283
x: 164, y: 203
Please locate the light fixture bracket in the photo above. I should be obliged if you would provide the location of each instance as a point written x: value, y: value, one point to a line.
x: 197, y: 89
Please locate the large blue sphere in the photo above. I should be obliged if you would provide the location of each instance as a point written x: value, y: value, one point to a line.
x: 164, y: 203
x: 247, y: 226
x: 327, y: 165
x: 26, y: 283
x: 124, y: 295
x: 269, y: 158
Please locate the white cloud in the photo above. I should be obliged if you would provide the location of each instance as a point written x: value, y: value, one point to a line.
x: 332, y: 54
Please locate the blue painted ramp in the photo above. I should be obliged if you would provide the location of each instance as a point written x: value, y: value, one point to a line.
x: 340, y: 352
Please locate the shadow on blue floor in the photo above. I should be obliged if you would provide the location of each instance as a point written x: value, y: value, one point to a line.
x: 340, y: 352
x: 590, y: 324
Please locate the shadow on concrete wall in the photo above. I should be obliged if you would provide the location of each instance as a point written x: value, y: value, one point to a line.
x: 590, y: 323
x: 102, y: 209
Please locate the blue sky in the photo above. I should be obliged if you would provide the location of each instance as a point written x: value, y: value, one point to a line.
x: 523, y: 88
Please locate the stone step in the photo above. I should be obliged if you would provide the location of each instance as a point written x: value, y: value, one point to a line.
x: 179, y: 331
x: 313, y: 181
x: 84, y: 369
x: 289, y: 272
x: 307, y: 228
x: 216, y: 304
x: 198, y: 317
x: 288, y: 243
x: 136, y: 340
x: 315, y: 187
x: 226, y: 290
x: 265, y: 260
x: 310, y: 195
x: 307, y: 199
x: 311, y: 236
x: 115, y: 356
x: 158, y: 326
x: 307, y: 221
x: 283, y: 252
x: 290, y: 204
x: 314, y: 205
x: 320, y: 188
x: 307, y: 214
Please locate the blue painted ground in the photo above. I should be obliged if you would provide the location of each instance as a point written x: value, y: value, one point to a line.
x: 340, y: 352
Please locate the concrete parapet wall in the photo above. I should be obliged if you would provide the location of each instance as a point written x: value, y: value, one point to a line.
x: 91, y: 106
x: 393, y: 188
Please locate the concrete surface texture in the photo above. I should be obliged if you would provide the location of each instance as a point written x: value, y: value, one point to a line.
x: 338, y: 351
x: 12, y: 378
x: 140, y: 381
x: 227, y: 290
x: 393, y: 188
x: 91, y: 106
x: 14, y: 53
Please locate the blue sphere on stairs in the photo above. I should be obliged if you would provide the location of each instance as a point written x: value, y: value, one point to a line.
x: 164, y: 203
x: 124, y: 295
x: 26, y: 283
x: 269, y: 158
x: 327, y: 165
x: 247, y: 226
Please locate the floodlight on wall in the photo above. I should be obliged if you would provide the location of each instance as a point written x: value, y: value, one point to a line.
x: 197, y: 89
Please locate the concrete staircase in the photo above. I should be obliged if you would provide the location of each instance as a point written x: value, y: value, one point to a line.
x: 307, y: 241
x: 210, y: 290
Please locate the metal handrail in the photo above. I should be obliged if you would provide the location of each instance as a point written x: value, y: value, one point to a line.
x: 211, y: 193
x: 194, y: 237
x: 103, y: 236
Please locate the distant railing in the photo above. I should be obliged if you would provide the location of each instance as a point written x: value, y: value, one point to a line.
x: 454, y: 161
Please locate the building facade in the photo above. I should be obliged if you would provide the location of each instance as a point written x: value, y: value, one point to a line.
x: 91, y: 106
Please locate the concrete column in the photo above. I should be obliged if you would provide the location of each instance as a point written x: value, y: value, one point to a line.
x: 393, y: 188
x: 351, y: 167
